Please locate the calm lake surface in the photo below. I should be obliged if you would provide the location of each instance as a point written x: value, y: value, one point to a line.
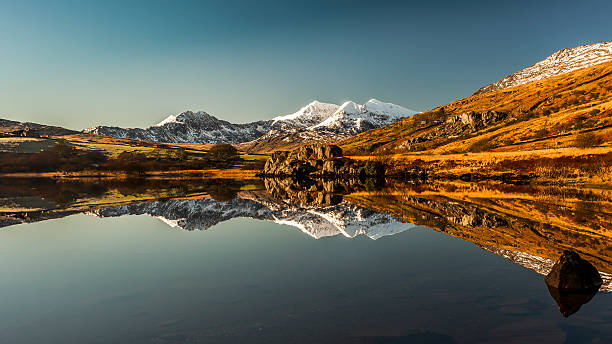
x: 116, y: 277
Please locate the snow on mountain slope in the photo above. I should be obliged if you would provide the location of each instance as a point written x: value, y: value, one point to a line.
x: 316, y: 121
x: 348, y: 119
x: 189, y: 126
x: 354, y: 118
x: 200, y: 214
x: 311, y: 114
x: 563, y: 61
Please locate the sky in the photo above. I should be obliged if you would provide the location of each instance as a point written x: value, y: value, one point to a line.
x: 79, y: 64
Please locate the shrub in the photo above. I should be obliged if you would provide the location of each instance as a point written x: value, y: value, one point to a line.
x: 587, y: 140
x: 481, y: 145
x: 374, y: 169
x: 222, y: 152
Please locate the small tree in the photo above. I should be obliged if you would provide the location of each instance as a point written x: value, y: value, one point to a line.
x: 374, y: 169
x: 222, y: 152
x: 587, y: 140
x: 63, y: 150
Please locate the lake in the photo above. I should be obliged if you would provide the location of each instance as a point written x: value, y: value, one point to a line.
x: 246, y: 261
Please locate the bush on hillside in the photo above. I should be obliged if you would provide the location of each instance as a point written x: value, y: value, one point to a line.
x: 588, y: 140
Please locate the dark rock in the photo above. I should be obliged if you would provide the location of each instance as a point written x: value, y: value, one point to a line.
x: 573, y: 274
x: 321, y: 158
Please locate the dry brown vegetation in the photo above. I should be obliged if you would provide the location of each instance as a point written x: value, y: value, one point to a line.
x: 557, y: 129
x: 75, y: 156
x: 550, y: 113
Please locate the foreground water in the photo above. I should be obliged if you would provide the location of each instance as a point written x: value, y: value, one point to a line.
x: 336, y: 273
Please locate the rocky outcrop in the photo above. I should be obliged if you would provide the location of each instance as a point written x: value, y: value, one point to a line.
x: 460, y: 126
x: 319, y: 159
x: 573, y: 274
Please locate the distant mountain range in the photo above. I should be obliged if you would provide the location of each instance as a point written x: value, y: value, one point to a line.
x: 563, y: 61
x: 556, y: 97
x: 316, y: 121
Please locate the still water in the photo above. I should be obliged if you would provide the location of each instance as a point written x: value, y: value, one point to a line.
x: 132, y: 275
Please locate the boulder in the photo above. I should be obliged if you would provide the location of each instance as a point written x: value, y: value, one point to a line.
x: 573, y: 274
x: 303, y: 161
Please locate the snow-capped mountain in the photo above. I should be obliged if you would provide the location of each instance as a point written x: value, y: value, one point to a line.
x: 563, y: 61
x: 316, y: 121
x: 326, y: 123
x: 308, y: 116
x: 189, y: 126
x: 353, y: 118
x: 344, y: 219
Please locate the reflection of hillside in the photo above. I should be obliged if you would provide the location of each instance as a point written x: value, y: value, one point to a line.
x: 38, y: 199
x: 526, y: 224
x: 539, y: 264
x: 540, y: 222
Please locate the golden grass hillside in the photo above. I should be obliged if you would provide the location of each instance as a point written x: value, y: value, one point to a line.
x: 573, y: 109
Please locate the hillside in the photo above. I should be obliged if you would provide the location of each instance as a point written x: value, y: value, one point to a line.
x: 562, y: 111
x: 10, y: 128
x: 563, y: 61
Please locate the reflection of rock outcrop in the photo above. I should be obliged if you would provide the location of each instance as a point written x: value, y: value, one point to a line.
x: 336, y: 218
x: 570, y: 302
x: 308, y: 191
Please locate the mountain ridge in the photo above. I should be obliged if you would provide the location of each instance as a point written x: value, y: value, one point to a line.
x: 561, y: 62
x: 325, y: 121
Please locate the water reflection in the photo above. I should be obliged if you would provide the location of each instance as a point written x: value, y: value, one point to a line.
x: 525, y: 224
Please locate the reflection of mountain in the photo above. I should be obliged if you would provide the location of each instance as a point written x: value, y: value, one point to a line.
x: 528, y: 225
x: 202, y: 213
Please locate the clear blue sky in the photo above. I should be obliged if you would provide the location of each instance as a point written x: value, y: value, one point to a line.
x: 131, y: 63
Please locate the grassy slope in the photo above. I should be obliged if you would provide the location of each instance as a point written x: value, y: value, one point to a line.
x: 112, y: 147
x: 544, y: 114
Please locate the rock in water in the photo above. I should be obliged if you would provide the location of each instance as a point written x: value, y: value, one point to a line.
x: 572, y: 273
x: 572, y: 282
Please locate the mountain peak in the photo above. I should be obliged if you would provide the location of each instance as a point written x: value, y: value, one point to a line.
x: 562, y: 61
x: 186, y: 116
x: 315, y: 110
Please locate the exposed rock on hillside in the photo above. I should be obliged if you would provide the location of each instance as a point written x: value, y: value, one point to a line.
x: 460, y: 126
